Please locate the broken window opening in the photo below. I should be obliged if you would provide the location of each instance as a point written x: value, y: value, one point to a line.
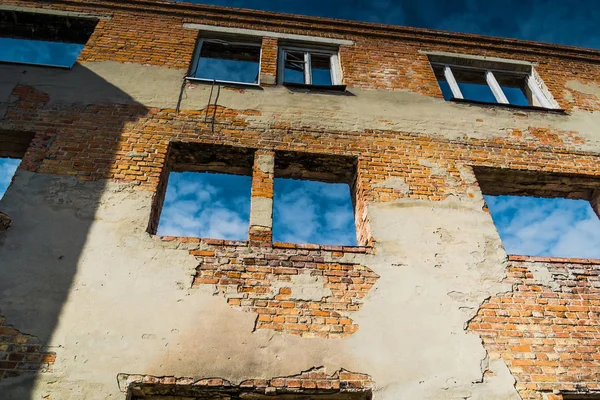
x: 43, y: 39
x: 227, y: 61
x: 309, y: 67
x: 204, y: 192
x: 543, y: 214
x: 488, y: 81
x: 8, y: 167
x: 13, y: 146
x: 313, y: 199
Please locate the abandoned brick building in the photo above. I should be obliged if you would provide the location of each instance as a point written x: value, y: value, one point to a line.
x: 96, y: 304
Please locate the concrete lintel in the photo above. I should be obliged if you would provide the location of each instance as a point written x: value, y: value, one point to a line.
x: 253, y: 32
x: 477, y: 58
x: 53, y: 12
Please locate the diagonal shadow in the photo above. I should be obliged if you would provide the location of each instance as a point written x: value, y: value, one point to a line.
x: 76, y: 119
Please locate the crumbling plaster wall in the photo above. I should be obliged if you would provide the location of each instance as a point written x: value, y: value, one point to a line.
x: 156, y: 87
x: 130, y: 308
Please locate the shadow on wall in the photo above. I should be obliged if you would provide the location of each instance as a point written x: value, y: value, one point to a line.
x: 78, y: 119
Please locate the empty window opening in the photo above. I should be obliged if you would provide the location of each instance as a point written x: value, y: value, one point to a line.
x: 488, y: 81
x: 13, y: 145
x: 43, y: 39
x: 227, y: 61
x: 201, y: 204
x: 205, y: 192
x: 313, y: 212
x: 313, y: 199
x: 552, y: 227
x: 8, y: 167
x: 543, y: 214
x: 309, y: 67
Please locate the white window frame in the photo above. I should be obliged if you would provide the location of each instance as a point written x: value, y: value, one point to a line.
x: 494, y: 85
x: 196, y: 60
x: 336, y: 73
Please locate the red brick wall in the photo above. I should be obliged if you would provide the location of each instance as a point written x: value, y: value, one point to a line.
x: 21, y: 353
x: 382, y: 58
x: 547, y: 333
x: 248, y: 277
x: 129, y: 143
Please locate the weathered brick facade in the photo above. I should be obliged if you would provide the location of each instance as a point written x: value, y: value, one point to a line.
x: 406, y: 310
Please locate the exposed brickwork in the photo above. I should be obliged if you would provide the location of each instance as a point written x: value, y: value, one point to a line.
x: 314, y: 382
x: 302, y: 290
x: 262, y: 186
x: 127, y: 149
x: 268, y: 61
x: 4, y: 222
x: 547, y: 331
x: 21, y: 353
x: 382, y: 58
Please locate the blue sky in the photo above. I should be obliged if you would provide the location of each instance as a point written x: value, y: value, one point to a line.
x: 575, y: 23
x: 549, y: 227
x: 39, y: 52
x: 218, y: 206
x: 8, y: 166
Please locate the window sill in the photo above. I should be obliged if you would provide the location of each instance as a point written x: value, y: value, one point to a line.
x: 558, y: 260
x: 276, y: 245
x: 227, y: 83
x: 315, y: 88
x: 30, y: 64
x: 512, y: 106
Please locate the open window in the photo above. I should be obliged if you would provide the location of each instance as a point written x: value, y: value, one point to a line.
x: 543, y: 214
x: 42, y: 38
x: 204, y: 192
x: 314, y: 199
x: 309, y: 67
x: 488, y: 80
x: 226, y: 60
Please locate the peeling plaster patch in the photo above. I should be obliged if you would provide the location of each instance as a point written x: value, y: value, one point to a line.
x: 435, y: 168
x: 304, y: 287
x: 591, y: 88
x: 261, y: 211
x: 265, y: 163
x: 395, y: 183
x: 543, y: 276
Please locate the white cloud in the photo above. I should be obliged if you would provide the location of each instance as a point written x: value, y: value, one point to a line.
x: 548, y: 227
x: 313, y: 212
x: 206, y: 205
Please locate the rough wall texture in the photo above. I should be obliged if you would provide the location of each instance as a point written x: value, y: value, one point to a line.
x: 109, y: 298
x: 547, y: 329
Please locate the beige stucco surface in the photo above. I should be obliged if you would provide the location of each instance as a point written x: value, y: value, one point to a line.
x: 80, y: 272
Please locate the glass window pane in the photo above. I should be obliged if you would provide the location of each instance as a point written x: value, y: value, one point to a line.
x: 294, y: 67
x: 313, y: 212
x: 438, y: 70
x: 473, y: 85
x: 229, y: 62
x: 514, y: 87
x: 201, y: 204
x: 321, y: 69
x: 39, y: 52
